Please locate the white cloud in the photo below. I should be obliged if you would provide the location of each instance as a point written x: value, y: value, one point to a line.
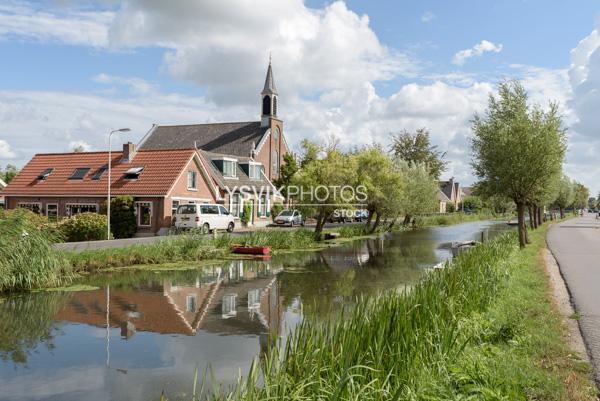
x: 80, y: 144
x: 477, y: 50
x: 5, y: 150
x: 135, y: 85
x: 428, y: 16
x: 23, y: 22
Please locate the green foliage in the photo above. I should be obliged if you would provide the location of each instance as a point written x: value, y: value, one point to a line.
x: 246, y: 213
x: 286, y: 173
x: 416, y: 148
x: 27, y: 259
x: 9, y: 172
x: 84, y: 227
x: 420, y: 190
x: 565, y: 194
x: 518, y: 149
x: 276, y: 208
x: 472, y: 203
x: 581, y: 195
x: 122, y: 217
x: 450, y: 207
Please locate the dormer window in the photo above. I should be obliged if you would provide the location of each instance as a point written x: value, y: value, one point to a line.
x: 79, y: 173
x: 45, y: 174
x: 254, y: 171
x: 133, y: 173
x: 229, y: 168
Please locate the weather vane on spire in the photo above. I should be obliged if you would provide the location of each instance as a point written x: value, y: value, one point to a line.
x: 269, y: 56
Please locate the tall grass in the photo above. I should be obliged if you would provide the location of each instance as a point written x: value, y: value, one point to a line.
x: 27, y: 259
x: 387, y: 347
x: 453, y: 218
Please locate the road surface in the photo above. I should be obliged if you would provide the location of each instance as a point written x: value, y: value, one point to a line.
x: 576, y: 246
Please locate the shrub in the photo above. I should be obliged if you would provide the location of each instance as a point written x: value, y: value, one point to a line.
x: 450, y: 208
x: 27, y: 259
x: 122, y: 217
x: 247, y: 211
x: 84, y: 227
x: 276, y: 209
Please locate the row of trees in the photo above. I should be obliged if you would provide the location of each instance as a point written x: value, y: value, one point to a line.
x: 518, y: 153
x: 388, y: 184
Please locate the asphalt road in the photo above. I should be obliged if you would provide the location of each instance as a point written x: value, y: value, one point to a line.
x: 576, y: 246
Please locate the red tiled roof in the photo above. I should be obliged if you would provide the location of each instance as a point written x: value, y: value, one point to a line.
x: 161, y: 170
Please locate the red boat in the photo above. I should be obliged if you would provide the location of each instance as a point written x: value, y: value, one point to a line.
x: 250, y: 250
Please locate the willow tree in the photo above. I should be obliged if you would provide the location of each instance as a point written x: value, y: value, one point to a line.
x: 564, y: 196
x: 517, y: 149
x: 421, y: 189
x: 581, y: 195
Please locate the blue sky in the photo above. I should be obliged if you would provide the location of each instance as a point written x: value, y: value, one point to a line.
x: 355, y: 70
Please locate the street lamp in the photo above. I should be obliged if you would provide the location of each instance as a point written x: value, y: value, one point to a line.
x: 109, y: 165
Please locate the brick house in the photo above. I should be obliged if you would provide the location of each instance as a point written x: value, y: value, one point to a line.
x: 61, y: 185
x: 451, y: 189
x: 2, y: 186
x: 228, y: 163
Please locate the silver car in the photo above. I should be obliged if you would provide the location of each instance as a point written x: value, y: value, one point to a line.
x: 290, y: 218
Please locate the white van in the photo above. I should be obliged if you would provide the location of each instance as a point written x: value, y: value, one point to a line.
x: 205, y: 217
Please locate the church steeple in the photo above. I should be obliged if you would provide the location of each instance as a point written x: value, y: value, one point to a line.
x: 269, y: 97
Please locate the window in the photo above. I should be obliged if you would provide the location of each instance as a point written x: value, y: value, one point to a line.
x: 73, y: 209
x: 99, y: 173
x: 275, y: 157
x: 266, y: 109
x: 223, y: 211
x: 191, y: 180
x: 144, y: 213
x: 190, y: 303
x: 254, y: 171
x: 133, y: 173
x: 35, y: 207
x: 262, y: 206
x: 274, y: 105
x: 229, y: 168
x: 174, y: 206
x: 52, y: 211
x: 79, y: 173
x: 187, y: 209
x: 276, y: 133
x: 235, y: 205
x: 45, y: 174
x: 228, y: 307
x: 209, y: 209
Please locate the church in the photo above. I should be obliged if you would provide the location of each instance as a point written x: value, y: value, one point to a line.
x: 230, y: 163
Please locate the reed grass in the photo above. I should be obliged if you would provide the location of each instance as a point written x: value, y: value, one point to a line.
x: 27, y: 259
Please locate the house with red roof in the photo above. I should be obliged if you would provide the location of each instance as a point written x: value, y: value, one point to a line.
x: 232, y: 164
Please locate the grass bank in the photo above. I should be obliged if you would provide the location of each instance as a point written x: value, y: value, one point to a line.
x: 456, y: 218
x: 483, y: 329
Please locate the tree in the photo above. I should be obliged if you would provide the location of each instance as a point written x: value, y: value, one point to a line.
x: 517, y: 149
x: 122, y: 217
x: 416, y: 148
x: 286, y: 172
x: 420, y: 192
x: 9, y: 173
x: 383, y: 183
x: 472, y: 203
x: 325, y: 183
x: 78, y: 149
x: 592, y: 202
x: 564, y: 196
x: 581, y: 195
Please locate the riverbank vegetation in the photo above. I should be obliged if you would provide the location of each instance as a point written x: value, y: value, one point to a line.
x: 482, y: 328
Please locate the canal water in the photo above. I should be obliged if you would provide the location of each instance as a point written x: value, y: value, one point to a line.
x: 144, y: 332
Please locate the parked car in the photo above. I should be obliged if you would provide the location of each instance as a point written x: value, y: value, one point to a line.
x: 205, y: 217
x: 341, y: 216
x: 289, y: 217
x: 361, y: 214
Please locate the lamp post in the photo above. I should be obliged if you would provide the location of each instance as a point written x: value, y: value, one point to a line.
x: 109, y: 166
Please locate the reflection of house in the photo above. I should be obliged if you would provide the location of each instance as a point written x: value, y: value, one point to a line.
x: 240, y: 299
x: 342, y: 258
x: 452, y: 191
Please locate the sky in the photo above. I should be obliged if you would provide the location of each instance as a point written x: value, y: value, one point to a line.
x: 70, y: 71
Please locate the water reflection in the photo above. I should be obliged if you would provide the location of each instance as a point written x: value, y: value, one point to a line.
x: 140, y: 333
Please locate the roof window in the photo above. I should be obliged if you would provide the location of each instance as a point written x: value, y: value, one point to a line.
x: 44, y: 174
x: 99, y: 173
x: 133, y: 173
x: 79, y: 173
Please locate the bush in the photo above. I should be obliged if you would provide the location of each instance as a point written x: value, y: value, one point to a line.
x: 247, y: 211
x: 450, y: 208
x: 276, y: 209
x: 122, y: 217
x: 84, y: 227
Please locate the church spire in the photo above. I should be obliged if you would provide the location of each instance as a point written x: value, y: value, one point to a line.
x: 269, y: 97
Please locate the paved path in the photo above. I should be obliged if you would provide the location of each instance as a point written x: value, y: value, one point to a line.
x: 575, y: 244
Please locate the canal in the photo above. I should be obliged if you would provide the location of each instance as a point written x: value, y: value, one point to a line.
x: 139, y: 333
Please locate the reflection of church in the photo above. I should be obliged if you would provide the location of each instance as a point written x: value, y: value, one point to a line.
x: 242, y: 298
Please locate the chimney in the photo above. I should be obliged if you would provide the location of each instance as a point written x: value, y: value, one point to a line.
x: 128, y: 152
